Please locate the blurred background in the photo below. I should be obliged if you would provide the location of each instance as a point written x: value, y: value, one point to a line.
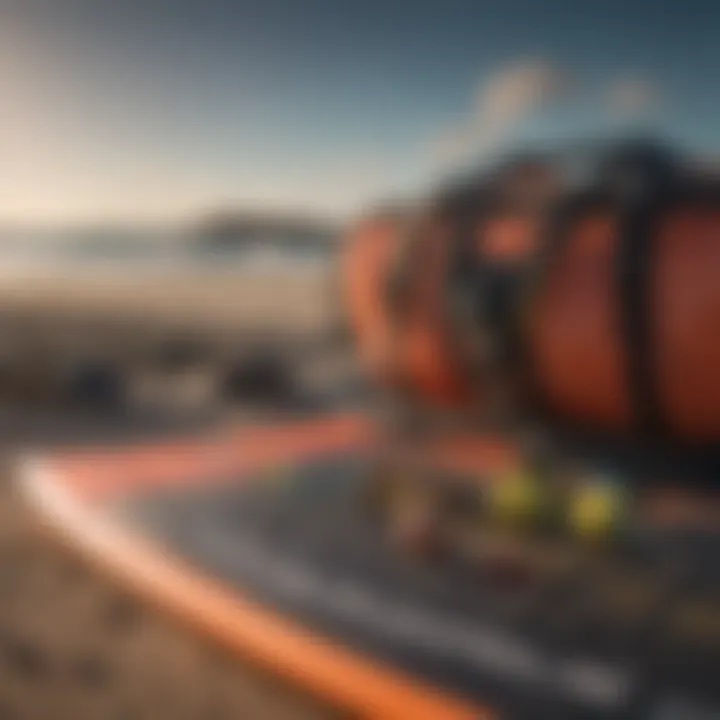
x: 175, y: 179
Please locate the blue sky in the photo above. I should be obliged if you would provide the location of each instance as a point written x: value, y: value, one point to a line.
x: 157, y: 109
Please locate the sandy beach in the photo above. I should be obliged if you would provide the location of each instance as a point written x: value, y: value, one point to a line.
x: 73, y: 647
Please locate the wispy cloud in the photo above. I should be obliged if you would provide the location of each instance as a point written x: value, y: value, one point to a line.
x: 521, y: 89
x: 633, y: 96
x: 502, y: 101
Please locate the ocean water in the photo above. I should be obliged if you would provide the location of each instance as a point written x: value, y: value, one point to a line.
x: 37, y: 255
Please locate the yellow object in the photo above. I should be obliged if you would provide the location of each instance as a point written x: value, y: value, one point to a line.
x: 518, y: 497
x: 596, y: 510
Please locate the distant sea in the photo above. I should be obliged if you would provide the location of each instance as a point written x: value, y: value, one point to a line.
x: 33, y: 255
